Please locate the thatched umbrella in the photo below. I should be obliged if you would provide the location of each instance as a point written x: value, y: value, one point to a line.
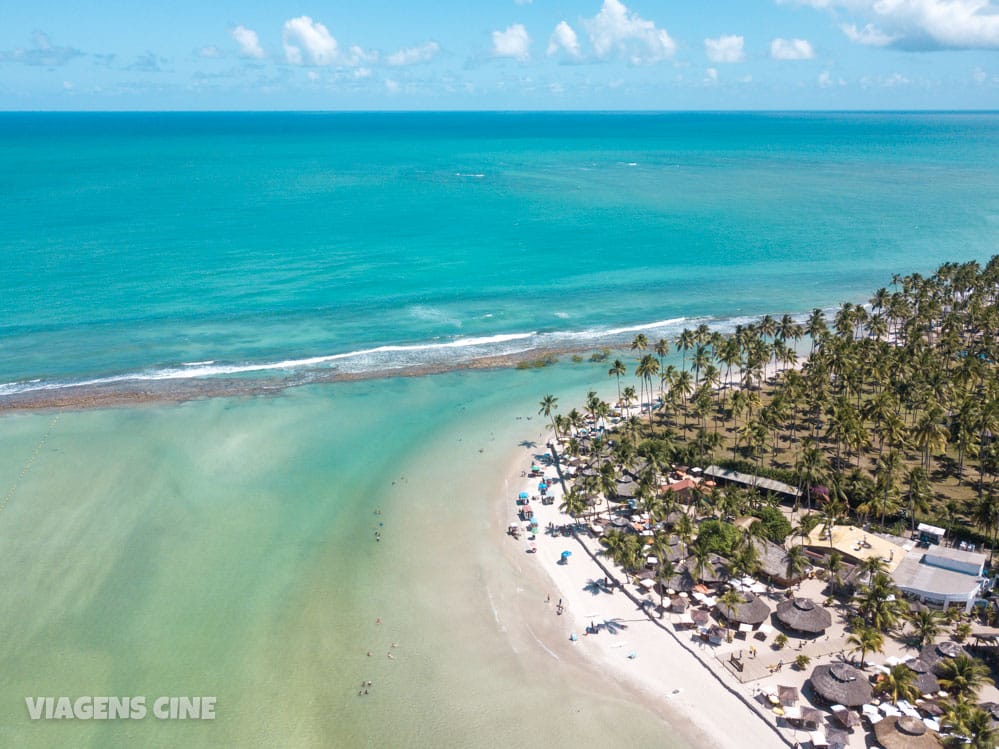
x: 803, y: 615
x: 810, y: 717
x: 837, y: 739
x: 787, y: 695
x: 905, y: 732
x: 700, y: 617
x: 752, y: 610
x: 934, y: 653
x: 678, y: 605
x: 841, y: 684
x: 848, y: 718
x: 925, y: 681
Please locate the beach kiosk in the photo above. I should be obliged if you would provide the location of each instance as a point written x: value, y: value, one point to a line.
x: 929, y: 534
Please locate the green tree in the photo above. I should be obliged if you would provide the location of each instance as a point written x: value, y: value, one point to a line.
x: 963, y: 676
x: 866, y: 640
x: 898, y: 684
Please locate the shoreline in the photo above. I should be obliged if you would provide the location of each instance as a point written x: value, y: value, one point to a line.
x: 665, y: 675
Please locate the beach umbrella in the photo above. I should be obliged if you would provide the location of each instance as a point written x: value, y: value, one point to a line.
x: 566, y: 554
x: 542, y: 486
x: 934, y: 654
x: 926, y: 681
x: 523, y: 495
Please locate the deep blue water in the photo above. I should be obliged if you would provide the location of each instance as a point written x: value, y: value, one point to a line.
x: 161, y: 244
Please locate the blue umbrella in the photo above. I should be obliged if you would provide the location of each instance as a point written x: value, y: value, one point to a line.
x: 542, y: 485
x: 523, y: 495
x: 566, y: 554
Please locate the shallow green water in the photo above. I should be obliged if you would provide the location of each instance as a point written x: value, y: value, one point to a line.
x: 226, y: 548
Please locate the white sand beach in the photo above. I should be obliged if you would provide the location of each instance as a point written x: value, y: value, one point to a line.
x: 663, y: 674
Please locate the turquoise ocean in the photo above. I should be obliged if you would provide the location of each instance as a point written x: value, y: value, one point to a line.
x: 225, y: 546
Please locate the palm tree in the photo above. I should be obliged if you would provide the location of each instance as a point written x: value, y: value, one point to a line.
x: 963, y: 676
x: 925, y: 626
x: 985, y: 514
x: 796, y: 563
x: 575, y: 503
x: 728, y: 600
x: 700, y: 561
x: 665, y: 572
x: 866, y: 640
x: 617, y: 370
x: 929, y: 435
x: 834, y: 565
x: 548, y: 406
x: 978, y: 726
x: 899, y: 684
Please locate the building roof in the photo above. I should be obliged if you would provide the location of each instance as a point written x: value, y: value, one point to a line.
x: 970, y: 562
x: 748, y: 479
x: 920, y: 575
x: 804, y: 615
x: 857, y: 544
x: 931, y: 529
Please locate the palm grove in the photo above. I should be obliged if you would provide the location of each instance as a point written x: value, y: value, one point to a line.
x: 892, y: 418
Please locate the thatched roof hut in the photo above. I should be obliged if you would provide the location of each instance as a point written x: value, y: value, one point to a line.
x: 752, y: 610
x: 715, y: 572
x: 677, y: 549
x: 773, y: 565
x: 905, y: 732
x: 803, y: 615
x: 626, y: 488
x: 678, y: 605
x: 841, y: 684
x: 934, y: 653
x: 925, y: 681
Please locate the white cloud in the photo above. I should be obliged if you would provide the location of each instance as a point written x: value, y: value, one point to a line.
x: 979, y: 75
x: 919, y: 24
x: 210, y: 53
x: 870, y: 35
x: 564, y: 38
x: 791, y: 49
x: 249, y: 44
x: 895, y: 79
x: 357, y: 56
x: 827, y: 81
x: 308, y: 42
x: 617, y: 30
x: 514, y: 42
x: 725, y: 49
x: 414, y: 55
x: 391, y: 86
x: 711, y: 75
x: 523, y: 2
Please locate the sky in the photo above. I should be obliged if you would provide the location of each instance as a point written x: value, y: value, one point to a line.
x: 500, y: 55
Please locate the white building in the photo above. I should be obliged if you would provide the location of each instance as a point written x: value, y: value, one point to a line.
x: 942, y: 576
